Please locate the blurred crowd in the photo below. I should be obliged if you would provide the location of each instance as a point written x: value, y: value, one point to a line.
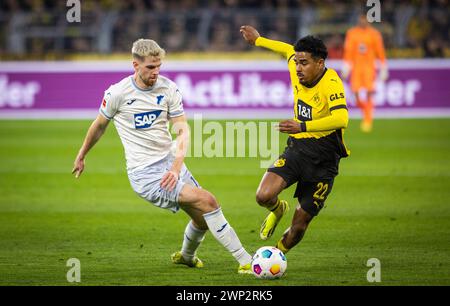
x: 38, y: 27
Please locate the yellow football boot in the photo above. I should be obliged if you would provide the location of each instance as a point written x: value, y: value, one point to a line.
x: 270, y: 223
x: 245, y: 269
x: 177, y: 258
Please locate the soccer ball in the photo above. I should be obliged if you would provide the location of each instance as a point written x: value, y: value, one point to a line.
x: 269, y: 263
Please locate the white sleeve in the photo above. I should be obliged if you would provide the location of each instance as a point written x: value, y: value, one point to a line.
x: 175, y: 104
x: 110, y: 104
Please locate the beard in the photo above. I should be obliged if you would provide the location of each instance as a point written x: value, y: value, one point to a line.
x: 148, y: 82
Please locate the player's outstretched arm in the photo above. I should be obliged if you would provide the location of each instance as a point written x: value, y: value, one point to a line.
x: 251, y: 35
x: 94, y: 133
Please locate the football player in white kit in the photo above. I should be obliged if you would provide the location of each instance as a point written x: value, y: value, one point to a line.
x: 141, y: 107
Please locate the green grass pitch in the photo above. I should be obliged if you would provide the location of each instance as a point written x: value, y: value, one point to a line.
x: 391, y: 201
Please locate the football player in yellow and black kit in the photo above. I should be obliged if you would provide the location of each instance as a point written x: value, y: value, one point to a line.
x: 315, y: 145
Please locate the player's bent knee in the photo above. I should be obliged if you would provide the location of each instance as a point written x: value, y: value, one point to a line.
x: 264, y: 197
x: 208, y: 201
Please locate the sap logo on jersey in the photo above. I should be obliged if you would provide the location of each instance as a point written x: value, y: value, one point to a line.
x: 145, y: 120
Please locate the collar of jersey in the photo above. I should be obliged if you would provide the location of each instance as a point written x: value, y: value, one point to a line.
x: 138, y: 88
x: 316, y: 82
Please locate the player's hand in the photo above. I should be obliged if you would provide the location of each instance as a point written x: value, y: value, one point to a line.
x: 249, y: 33
x: 169, y: 180
x: 78, y: 166
x: 289, y: 127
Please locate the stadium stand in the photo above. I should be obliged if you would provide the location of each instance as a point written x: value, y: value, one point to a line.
x: 38, y: 29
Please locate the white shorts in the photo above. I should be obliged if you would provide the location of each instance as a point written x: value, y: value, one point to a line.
x: 146, y: 183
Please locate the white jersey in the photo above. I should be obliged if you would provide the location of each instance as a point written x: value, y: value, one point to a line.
x: 142, y: 118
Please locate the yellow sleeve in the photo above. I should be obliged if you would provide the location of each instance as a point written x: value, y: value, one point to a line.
x: 276, y: 46
x: 338, y: 118
x: 286, y: 50
x: 334, y: 91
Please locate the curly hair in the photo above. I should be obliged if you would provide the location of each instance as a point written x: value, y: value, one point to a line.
x: 313, y: 45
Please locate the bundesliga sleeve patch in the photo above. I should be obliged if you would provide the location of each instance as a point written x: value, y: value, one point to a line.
x: 105, y: 99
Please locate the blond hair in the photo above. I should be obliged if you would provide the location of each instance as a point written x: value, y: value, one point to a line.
x: 146, y: 47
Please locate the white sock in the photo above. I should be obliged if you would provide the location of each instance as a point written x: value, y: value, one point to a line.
x: 192, y: 239
x: 226, y: 235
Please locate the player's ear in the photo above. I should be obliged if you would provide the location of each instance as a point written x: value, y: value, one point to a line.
x: 135, y: 65
x: 321, y: 62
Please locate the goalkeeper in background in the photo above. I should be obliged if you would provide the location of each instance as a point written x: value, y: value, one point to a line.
x: 315, y: 145
x: 363, y: 46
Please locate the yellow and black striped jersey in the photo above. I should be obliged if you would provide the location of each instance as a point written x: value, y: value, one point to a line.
x: 322, y: 107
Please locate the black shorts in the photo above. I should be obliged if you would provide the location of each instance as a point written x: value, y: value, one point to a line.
x: 312, y: 164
